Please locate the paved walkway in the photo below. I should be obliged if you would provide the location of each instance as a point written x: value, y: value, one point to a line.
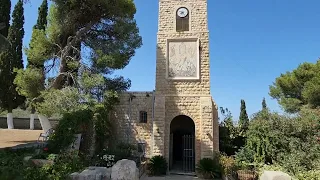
x: 171, y: 177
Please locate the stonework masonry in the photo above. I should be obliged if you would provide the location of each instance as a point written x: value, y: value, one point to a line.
x: 174, y: 97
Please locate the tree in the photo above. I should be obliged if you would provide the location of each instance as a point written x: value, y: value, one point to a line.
x: 84, y: 42
x: 31, y: 82
x: 4, y: 43
x: 298, y: 88
x: 105, y: 28
x: 226, y: 132
x: 10, y: 60
x: 264, y: 104
x: 243, y: 119
x: 291, y: 142
x: 5, y: 8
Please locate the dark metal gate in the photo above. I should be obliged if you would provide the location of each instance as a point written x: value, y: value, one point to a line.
x: 188, y: 153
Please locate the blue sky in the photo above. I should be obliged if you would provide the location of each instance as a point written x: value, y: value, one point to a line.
x: 251, y: 43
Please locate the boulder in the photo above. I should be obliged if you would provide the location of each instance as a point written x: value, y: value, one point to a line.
x: 125, y: 170
x: 93, y: 173
x: 274, y: 175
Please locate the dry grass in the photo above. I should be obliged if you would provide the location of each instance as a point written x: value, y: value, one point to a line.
x: 14, y: 137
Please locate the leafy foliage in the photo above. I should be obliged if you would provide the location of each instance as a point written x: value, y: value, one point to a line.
x: 228, y: 164
x: 298, y: 88
x: 71, y: 123
x: 230, y: 139
x: 243, y: 119
x: 106, y: 30
x: 5, y: 7
x: 291, y: 142
x: 264, y: 104
x: 11, y: 59
x: 109, y: 156
x: 63, y: 166
x: 11, y: 162
x: 208, y: 167
x: 157, y: 166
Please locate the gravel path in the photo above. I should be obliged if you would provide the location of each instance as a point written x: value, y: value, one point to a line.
x: 15, y: 137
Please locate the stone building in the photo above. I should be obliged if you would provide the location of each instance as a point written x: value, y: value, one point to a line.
x: 179, y: 119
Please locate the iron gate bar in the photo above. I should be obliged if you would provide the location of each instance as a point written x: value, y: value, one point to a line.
x: 188, y: 153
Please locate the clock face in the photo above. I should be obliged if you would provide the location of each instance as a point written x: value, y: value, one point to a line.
x: 182, y: 12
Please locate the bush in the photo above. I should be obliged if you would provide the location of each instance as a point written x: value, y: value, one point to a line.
x: 11, y: 162
x: 63, y: 166
x: 209, y: 168
x: 290, y: 142
x: 69, y: 125
x: 308, y: 175
x: 157, y: 166
x: 228, y: 165
x: 108, y: 157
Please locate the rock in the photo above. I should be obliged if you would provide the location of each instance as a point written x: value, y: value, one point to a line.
x: 274, y: 175
x: 93, y: 173
x: 27, y: 158
x: 41, y: 162
x: 125, y: 170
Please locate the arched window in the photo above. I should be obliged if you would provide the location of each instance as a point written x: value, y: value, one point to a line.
x: 182, y: 19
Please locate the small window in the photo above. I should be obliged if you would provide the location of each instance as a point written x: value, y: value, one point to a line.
x: 142, y: 148
x: 182, y: 19
x: 143, y: 117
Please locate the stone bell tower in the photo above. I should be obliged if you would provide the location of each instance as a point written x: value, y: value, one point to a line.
x: 184, y: 107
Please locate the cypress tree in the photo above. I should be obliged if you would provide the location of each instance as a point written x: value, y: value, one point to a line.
x: 5, y: 7
x: 264, y: 104
x: 10, y: 60
x: 243, y: 119
x: 40, y: 25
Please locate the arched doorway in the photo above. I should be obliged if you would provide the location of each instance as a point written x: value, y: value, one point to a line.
x: 182, y: 144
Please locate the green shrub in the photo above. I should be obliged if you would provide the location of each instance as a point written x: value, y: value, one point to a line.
x: 69, y: 125
x: 290, y: 142
x: 157, y: 166
x: 11, y: 163
x: 228, y: 165
x: 63, y: 166
x: 308, y: 175
x: 108, y: 157
x: 209, y: 168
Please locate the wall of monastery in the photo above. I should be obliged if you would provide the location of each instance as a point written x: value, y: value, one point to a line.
x: 128, y: 128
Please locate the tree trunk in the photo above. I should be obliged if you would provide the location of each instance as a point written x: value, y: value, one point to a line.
x: 32, y: 115
x: 10, y: 120
x: 45, y: 123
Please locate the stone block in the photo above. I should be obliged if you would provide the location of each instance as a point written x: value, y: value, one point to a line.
x: 93, y: 173
x: 274, y: 175
x: 125, y: 170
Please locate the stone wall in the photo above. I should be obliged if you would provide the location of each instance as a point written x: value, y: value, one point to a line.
x: 128, y: 127
x: 184, y: 96
x: 166, y: 30
x: 191, y: 98
x: 24, y: 123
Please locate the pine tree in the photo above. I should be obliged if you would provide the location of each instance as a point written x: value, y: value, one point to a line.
x: 35, y: 69
x: 264, y: 104
x: 10, y: 60
x: 243, y: 119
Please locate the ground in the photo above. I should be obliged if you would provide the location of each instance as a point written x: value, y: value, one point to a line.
x: 172, y: 177
x: 18, y: 137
